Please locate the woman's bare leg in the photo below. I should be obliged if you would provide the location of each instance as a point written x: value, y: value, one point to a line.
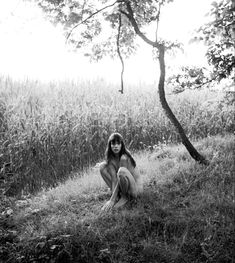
x: 105, y: 174
x: 127, y: 185
x: 126, y: 170
x: 108, y: 173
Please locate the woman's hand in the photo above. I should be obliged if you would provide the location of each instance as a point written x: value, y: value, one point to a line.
x: 108, y: 206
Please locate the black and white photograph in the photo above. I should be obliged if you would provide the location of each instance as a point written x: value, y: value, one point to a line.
x: 117, y: 131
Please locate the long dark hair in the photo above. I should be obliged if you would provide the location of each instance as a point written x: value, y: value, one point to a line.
x: 117, y: 137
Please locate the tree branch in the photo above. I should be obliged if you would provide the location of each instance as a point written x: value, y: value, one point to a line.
x: 181, y: 88
x: 130, y: 16
x: 158, y: 19
x: 206, y: 82
x: 90, y: 16
x: 118, y: 51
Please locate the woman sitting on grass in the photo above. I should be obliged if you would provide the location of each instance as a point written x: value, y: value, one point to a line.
x: 119, y: 173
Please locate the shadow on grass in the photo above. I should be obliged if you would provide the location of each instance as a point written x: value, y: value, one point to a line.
x: 187, y: 218
x: 155, y: 228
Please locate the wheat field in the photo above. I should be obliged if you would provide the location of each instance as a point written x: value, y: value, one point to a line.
x: 48, y: 130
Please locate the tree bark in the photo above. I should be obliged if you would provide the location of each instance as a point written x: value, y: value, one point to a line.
x: 192, y: 151
x: 161, y: 48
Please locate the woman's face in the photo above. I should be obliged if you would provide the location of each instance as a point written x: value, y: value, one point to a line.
x: 116, y: 147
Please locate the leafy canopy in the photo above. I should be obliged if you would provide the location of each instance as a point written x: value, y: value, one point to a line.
x: 219, y: 36
x: 108, y: 22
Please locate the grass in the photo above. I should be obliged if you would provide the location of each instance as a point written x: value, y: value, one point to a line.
x: 186, y: 214
x: 48, y: 131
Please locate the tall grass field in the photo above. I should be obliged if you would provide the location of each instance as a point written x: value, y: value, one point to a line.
x: 185, y: 214
x: 53, y: 134
x: 49, y: 130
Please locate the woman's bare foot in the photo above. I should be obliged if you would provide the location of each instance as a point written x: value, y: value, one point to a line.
x: 121, y: 202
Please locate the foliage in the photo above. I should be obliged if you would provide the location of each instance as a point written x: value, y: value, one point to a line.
x: 94, y: 24
x: 219, y: 36
x: 189, y: 78
x: 49, y: 131
x: 186, y: 214
x: 137, y: 15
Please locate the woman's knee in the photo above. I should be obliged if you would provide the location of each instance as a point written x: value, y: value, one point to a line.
x: 127, y: 182
x: 103, y: 167
x: 124, y: 161
x: 121, y: 174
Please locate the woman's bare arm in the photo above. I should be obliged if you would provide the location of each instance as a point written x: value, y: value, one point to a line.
x: 109, y: 205
x: 115, y: 192
x: 115, y: 188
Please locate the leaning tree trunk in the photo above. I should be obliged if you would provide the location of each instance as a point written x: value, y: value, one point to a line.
x: 192, y: 151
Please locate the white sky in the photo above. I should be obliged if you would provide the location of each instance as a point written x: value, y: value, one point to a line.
x: 32, y: 47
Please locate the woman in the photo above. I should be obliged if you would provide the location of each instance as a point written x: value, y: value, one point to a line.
x: 119, y: 173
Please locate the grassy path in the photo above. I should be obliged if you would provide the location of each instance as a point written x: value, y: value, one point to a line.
x: 184, y: 215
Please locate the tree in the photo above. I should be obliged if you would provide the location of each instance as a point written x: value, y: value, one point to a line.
x: 219, y: 37
x: 189, y: 77
x: 126, y: 19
